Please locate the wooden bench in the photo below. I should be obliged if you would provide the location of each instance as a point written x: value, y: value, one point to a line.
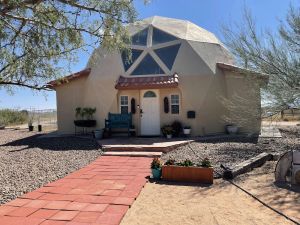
x: 119, y: 120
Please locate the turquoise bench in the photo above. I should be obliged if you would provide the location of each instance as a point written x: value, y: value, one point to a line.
x: 119, y: 120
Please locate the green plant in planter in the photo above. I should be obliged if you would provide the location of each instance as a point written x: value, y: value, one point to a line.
x: 186, y: 162
x: 206, y: 163
x: 170, y: 162
x: 156, y: 165
x: 89, y: 112
x: 79, y: 113
x: 167, y: 130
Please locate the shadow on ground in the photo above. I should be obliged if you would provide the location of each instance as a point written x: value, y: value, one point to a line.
x: 54, y: 144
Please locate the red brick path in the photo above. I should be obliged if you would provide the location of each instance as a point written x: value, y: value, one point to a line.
x: 99, y: 193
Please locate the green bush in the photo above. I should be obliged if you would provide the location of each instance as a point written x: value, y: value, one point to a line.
x: 13, y: 117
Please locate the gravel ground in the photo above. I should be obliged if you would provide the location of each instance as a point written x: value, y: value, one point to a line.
x: 28, y: 162
x: 234, y: 151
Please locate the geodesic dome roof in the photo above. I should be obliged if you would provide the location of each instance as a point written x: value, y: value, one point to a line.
x: 182, y: 29
x: 164, y: 46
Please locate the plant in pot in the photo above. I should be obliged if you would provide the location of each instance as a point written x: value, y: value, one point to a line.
x: 186, y: 130
x: 187, y: 171
x: 39, y: 125
x: 30, y: 121
x: 156, y: 165
x: 167, y: 131
x: 84, y: 117
x: 206, y: 163
x: 30, y: 126
x: 231, y: 129
x: 177, y: 128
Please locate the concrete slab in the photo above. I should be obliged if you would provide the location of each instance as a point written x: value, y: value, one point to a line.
x: 142, y: 144
x: 136, y: 154
x: 270, y: 132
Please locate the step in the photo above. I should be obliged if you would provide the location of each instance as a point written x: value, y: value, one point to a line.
x: 136, y: 154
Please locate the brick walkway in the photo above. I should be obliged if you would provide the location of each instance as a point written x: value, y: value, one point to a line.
x: 99, y: 193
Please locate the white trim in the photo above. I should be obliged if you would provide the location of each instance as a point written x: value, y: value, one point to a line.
x: 136, y: 63
x: 120, y: 103
x: 179, y: 104
x: 150, y: 33
x: 166, y: 44
x: 160, y: 62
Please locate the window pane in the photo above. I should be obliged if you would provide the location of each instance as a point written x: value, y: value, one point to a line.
x: 124, y: 109
x: 175, y: 109
x: 124, y: 100
x: 168, y: 54
x: 161, y: 37
x: 149, y: 94
x: 147, y: 66
x: 175, y: 99
x: 140, y: 38
x: 135, y: 53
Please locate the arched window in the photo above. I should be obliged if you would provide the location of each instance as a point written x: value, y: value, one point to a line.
x: 149, y: 94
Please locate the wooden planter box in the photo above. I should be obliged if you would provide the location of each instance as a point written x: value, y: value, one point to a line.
x: 188, y: 174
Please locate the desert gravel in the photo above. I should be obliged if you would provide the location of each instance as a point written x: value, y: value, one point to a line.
x: 230, y: 152
x: 28, y: 162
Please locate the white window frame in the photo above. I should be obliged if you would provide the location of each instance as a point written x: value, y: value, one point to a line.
x: 122, y: 105
x: 171, y: 103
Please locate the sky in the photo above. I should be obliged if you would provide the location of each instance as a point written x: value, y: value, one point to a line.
x: 208, y: 14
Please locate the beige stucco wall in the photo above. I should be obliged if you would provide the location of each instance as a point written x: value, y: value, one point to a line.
x: 202, y: 88
x: 68, y: 97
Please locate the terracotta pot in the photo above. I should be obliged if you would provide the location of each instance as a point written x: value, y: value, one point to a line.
x: 188, y: 174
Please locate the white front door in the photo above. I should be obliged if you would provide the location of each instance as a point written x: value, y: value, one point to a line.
x: 150, y: 118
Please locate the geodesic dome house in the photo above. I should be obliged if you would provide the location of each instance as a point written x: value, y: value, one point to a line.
x: 177, y: 72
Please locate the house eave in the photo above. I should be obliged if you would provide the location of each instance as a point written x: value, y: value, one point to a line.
x: 64, y: 80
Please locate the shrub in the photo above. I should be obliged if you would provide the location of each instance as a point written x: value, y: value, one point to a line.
x: 186, y: 162
x: 170, y: 162
x: 13, y: 117
x: 206, y: 163
x: 177, y: 128
x: 166, y: 130
x: 156, y: 163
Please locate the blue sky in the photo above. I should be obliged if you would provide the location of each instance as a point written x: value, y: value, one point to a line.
x: 207, y: 14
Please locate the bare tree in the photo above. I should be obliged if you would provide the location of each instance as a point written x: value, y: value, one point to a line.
x: 272, y: 53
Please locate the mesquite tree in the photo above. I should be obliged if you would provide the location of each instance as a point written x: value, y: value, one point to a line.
x: 38, y: 36
x: 274, y: 53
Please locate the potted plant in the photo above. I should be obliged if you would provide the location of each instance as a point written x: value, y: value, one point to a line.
x: 186, y: 130
x: 84, y: 117
x: 30, y: 126
x: 156, y: 165
x: 231, y: 129
x: 167, y: 131
x: 39, y: 125
x: 187, y: 171
x: 177, y: 128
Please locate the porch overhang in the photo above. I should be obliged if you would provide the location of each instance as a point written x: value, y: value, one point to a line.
x: 153, y: 82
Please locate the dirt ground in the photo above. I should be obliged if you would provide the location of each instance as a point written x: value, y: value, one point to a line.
x: 221, y: 203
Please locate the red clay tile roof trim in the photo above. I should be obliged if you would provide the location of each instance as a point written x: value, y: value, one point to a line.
x: 130, y: 83
x: 67, y: 79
